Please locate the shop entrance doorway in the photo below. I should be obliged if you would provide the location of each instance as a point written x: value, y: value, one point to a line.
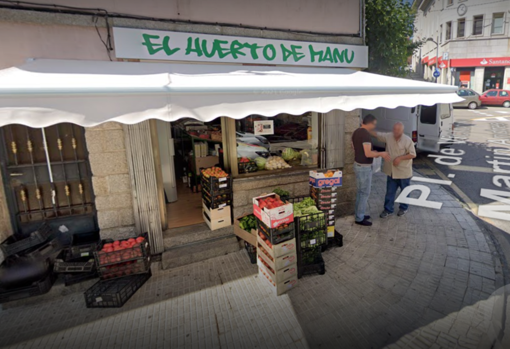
x: 186, y: 147
x: 493, y: 78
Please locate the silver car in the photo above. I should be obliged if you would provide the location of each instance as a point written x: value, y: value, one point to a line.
x: 471, y: 98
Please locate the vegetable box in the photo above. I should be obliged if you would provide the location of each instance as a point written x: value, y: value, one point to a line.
x: 122, y: 251
x: 279, y: 250
x: 217, y: 223
x: 278, y: 275
x: 276, y: 263
x: 248, y: 236
x: 330, y: 178
x: 280, y: 287
x: 273, y: 217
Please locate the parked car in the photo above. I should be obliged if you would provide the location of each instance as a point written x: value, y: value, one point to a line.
x: 496, y: 97
x: 251, y: 151
x: 471, y: 99
x: 250, y: 138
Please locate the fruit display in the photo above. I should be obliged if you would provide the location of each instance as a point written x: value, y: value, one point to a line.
x: 289, y: 154
x: 283, y: 232
x: 122, y: 250
x: 266, y: 240
x: 261, y: 163
x: 215, y: 172
x: 246, y: 165
x: 124, y: 269
x: 248, y: 223
x: 270, y: 202
x: 276, y: 163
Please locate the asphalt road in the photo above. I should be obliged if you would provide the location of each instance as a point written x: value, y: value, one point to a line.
x: 474, y: 173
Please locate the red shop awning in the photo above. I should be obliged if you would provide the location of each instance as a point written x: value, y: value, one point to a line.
x: 481, y: 62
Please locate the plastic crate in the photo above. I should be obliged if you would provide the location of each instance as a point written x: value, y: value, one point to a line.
x: 50, y: 249
x: 84, y: 249
x: 277, y: 235
x: 207, y: 191
x: 75, y: 278
x: 35, y: 238
x: 247, y: 167
x: 217, y: 202
x: 252, y: 252
x: 35, y: 289
x: 214, y: 184
x: 114, y: 293
x: 312, y: 228
x: 317, y: 266
x: 73, y: 267
x: 139, y: 251
x: 138, y: 266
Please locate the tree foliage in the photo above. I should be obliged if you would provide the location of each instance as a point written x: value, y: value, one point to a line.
x: 389, y: 28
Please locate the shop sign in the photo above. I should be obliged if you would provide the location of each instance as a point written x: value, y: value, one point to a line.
x: 263, y: 127
x: 480, y: 62
x: 177, y: 46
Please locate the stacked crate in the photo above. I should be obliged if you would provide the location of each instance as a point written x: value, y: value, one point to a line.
x: 324, y: 189
x: 311, y: 236
x: 276, y: 246
x: 123, y: 269
x: 217, y: 201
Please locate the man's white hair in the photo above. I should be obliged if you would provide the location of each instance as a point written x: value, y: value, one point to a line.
x: 399, y: 123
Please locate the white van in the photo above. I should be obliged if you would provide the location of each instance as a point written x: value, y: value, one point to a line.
x: 424, y: 124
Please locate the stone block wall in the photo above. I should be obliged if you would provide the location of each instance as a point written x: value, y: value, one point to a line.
x: 111, y: 180
x: 5, y: 219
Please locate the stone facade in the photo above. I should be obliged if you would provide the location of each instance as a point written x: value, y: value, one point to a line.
x: 5, y: 219
x: 111, y: 180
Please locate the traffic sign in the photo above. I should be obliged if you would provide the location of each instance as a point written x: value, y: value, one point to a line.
x: 436, y: 73
x: 445, y: 56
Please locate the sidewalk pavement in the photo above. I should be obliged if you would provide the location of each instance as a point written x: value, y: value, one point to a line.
x: 417, y: 281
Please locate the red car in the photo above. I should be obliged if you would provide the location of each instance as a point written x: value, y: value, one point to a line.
x: 496, y: 97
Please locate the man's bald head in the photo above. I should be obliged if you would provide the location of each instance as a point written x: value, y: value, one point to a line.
x: 398, y: 130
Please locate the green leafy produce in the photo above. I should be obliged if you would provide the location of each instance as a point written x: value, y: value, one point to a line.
x: 289, y: 154
x: 248, y: 223
x: 261, y: 163
x: 303, y: 205
x: 281, y: 192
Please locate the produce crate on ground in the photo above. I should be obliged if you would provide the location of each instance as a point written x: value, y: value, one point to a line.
x: 278, y: 275
x: 278, y: 250
x: 281, y: 287
x: 85, y: 249
x: 35, y: 289
x: 272, y: 211
x: 276, y: 263
x: 310, y: 261
x: 245, y: 227
x: 75, y: 278
x: 12, y: 246
x: 218, y: 201
x: 311, y: 225
x: 275, y: 236
x: 216, y: 180
x: 85, y: 266
x: 217, y: 218
x: 114, y: 293
x: 138, y: 266
x: 122, y: 251
x: 252, y: 252
x: 50, y: 249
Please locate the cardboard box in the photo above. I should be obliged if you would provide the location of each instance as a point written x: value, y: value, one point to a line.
x: 277, y: 263
x: 279, y: 250
x: 206, y: 162
x: 280, y: 287
x: 275, y: 216
x: 249, y: 237
x: 318, y: 179
x: 217, y: 213
x: 324, y: 190
x: 326, y: 207
x: 216, y: 223
x: 279, y: 275
x: 325, y: 200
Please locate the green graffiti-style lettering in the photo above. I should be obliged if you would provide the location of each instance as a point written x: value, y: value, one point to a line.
x: 293, y: 52
x: 314, y: 54
x: 154, y: 48
x: 338, y: 56
x: 347, y: 59
x: 204, y: 49
x: 269, y: 47
x: 235, y: 49
x: 194, y: 48
x: 327, y: 55
x: 222, y: 51
x: 253, y: 50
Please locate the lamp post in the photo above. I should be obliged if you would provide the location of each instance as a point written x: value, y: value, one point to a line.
x: 437, y: 52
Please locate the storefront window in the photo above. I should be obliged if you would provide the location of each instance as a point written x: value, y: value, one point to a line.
x: 282, y: 142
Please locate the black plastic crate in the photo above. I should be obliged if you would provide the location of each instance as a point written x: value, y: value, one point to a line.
x: 138, y: 266
x: 82, y: 250
x: 74, y: 267
x: 214, y: 184
x: 35, y: 289
x: 51, y: 249
x: 217, y: 201
x: 247, y: 167
x: 35, y: 238
x: 75, y: 278
x: 114, y: 293
x: 252, y: 252
x: 137, y: 252
x: 336, y: 240
x: 314, y: 266
x: 279, y: 234
x: 207, y: 191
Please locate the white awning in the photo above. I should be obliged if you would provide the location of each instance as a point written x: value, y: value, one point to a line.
x: 45, y: 92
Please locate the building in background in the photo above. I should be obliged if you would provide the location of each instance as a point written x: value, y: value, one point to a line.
x: 468, y: 41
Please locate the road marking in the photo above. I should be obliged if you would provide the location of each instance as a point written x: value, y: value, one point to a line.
x: 473, y: 169
x: 430, y: 180
x: 493, y: 118
x: 502, y: 112
x: 451, y: 175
